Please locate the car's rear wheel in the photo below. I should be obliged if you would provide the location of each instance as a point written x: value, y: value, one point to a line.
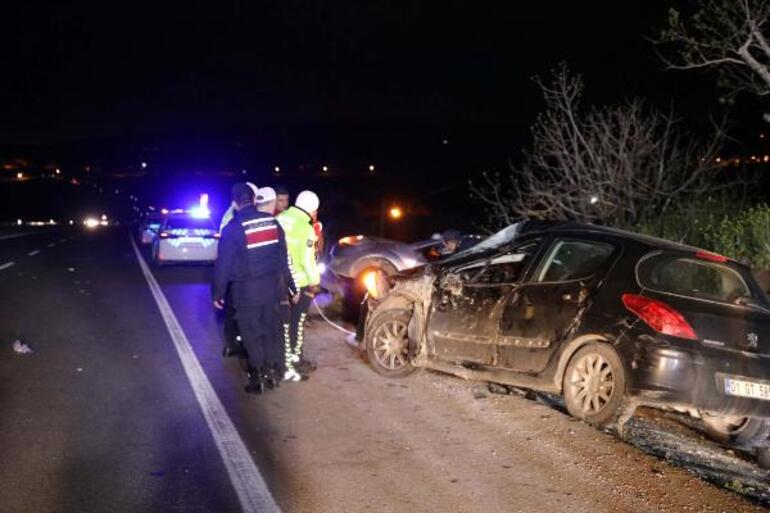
x: 387, y: 343
x: 594, y: 384
x: 742, y: 431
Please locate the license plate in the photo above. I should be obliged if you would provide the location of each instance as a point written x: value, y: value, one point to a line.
x: 744, y: 388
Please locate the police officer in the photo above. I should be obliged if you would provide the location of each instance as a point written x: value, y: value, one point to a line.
x: 297, y: 222
x: 233, y: 342
x: 253, y: 261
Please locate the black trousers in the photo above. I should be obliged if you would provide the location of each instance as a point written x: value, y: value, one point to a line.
x: 230, y: 324
x: 258, y: 325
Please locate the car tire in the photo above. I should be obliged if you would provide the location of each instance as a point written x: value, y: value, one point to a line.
x: 594, y: 384
x: 747, y: 432
x: 387, y: 343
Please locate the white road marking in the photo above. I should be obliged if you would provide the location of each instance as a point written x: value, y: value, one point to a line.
x: 62, y: 240
x: 16, y: 235
x: 33, y: 253
x: 6, y: 265
x: 245, y: 477
x: 51, y: 245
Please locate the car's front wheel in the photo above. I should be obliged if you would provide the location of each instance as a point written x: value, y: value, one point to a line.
x: 594, y: 384
x: 387, y: 343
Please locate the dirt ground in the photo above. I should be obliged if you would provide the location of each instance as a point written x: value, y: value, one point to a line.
x: 350, y: 440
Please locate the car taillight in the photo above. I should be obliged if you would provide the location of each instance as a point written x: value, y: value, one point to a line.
x: 659, y: 316
x: 711, y: 257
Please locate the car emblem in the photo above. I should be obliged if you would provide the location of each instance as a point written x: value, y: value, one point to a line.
x: 752, y: 340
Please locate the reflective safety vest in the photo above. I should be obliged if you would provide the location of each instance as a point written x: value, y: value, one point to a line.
x: 300, y: 241
x: 229, y: 213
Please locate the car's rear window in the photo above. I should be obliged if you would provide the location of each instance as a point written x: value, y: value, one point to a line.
x: 182, y: 223
x: 692, y: 277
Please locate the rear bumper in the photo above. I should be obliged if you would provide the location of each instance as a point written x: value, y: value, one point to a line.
x: 694, y: 377
x: 167, y: 252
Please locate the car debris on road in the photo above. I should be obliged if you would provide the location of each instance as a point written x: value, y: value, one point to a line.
x: 21, y: 348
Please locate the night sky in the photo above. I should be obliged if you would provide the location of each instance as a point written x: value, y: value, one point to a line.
x: 79, y: 70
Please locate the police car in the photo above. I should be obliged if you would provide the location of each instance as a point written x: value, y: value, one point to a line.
x: 184, y: 237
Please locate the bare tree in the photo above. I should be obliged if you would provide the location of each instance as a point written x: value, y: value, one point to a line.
x: 613, y: 165
x: 727, y: 36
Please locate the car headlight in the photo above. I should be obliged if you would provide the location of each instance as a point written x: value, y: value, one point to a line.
x: 376, y: 283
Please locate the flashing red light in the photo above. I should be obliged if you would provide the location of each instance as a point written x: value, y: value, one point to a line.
x: 659, y: 316
x: 711, y: 257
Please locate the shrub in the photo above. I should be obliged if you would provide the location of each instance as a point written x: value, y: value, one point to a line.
x: 743, y: 235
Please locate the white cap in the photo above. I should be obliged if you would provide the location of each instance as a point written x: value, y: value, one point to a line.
x: 265, y: 194
x: 253, y: 188
x: 307, y: 201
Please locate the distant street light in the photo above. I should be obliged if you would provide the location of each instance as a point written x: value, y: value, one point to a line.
x: 325, y: 169
x: 371, y: 168
x: 594, y: 200
x: 144, y: 165
x: 277, y: 169
x: 20, y: 176
x: 394, y: 212
x: 58, y: 171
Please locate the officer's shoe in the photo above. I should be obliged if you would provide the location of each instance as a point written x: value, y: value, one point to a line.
x: 292, y: 375
x: 274, y: 376
x: 269, y: 378
x: 256, y: 384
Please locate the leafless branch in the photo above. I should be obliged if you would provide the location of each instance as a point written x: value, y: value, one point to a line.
x: 614, y: 165
x: 728, y: 36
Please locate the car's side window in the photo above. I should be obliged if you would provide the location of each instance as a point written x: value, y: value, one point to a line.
x: 574, y: 260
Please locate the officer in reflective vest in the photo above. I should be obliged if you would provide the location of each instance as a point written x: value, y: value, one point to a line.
x: 297, y: 222
x: 254, y: 262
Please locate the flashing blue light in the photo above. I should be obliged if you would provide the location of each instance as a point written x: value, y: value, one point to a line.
x: 200, y: 212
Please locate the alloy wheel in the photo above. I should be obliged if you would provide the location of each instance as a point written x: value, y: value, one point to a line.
x: 391, y: 344
x: 591, y: 383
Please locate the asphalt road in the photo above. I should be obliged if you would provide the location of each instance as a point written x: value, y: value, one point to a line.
x: 104, y: 415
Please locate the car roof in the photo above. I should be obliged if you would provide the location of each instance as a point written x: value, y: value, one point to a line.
x: 532, y: 227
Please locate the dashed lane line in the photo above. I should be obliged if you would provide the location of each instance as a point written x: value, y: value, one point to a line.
x: 245, y: 477
x: 33, y: 253
x: 16, y: 235
x: 51, y: 245
x: 7, y: 265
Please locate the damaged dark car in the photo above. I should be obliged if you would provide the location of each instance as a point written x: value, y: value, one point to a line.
x: 608, y: 319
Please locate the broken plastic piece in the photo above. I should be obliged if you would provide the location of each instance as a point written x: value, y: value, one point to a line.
x: 21, y: 348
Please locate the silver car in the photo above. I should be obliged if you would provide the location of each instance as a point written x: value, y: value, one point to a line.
x: 353, y: 257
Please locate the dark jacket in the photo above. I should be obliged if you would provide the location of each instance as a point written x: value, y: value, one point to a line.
x: 252, y: 258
